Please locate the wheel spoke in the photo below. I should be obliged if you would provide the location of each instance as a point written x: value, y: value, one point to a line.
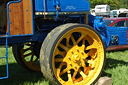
x: 26, y: 57
x: 93, y: 54
x: 64, y: 71
x: 28, y: 44
x: 90, y: 62
x: 94, y: 57
x: 85, y: 69
x: 26, y: 49
x: 84, y: 55
x: 59, y: 69
x: 85, y: 38
x: 59, y: 60
x: 27, y: 54
x: 83, y: 63
x: 79, y: 79
x: 69, y: 76
x: 35, y: 60
x: 82, y: 74
x: 74, y: 75
x: 93, y: 46
x: 31, y: 58
x: 91, y: 70
x: 61, y: 53
x: 73, y: 40
x: 67, y: 42
x: 63, y: 47
x: 81, y: 37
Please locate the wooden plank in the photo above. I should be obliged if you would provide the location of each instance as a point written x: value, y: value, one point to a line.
x: 27, y: 12
x: 20, y: 18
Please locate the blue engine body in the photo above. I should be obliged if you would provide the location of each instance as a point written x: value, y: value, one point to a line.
x: 110, y: 35
x: 65, y: 5
x: 118, y: 35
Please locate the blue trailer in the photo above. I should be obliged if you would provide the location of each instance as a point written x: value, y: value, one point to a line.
x: 58, y: 37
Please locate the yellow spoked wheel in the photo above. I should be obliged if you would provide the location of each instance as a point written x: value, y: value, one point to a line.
x: 24, y: 55
x: 75, y: 54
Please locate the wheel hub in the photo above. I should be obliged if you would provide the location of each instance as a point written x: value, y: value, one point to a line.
x: 75, y: 57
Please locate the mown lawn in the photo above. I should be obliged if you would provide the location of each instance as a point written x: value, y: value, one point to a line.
x: 116, y: 68
x: 17, y: 74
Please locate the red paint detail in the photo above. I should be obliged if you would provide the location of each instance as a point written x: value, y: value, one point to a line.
x: 116, y: 20
x: 117, y: 47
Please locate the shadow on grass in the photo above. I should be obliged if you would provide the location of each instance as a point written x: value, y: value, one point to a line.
x: 112, y: 63
x: 18, y: 76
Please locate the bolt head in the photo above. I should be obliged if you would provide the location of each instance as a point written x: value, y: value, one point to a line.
x: 82, y: 52
x: 75, y: 67
x: 83, y: 58
x: 70, y: 64
x: 72, y: 52
x: 80, y: 63
x: 69, y: 57
x: 77, y: 49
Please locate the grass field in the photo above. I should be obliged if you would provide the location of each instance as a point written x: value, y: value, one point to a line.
x: 116, y: 68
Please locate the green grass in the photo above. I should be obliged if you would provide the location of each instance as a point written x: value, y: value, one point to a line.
x: 116, y: 68
x: 17, y: 74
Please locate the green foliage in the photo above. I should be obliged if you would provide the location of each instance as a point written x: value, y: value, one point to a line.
x: 114, y: 4
x: 124, y: 3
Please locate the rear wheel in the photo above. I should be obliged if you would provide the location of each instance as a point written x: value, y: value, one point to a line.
x: 24, y: 55
x: 72, y: 54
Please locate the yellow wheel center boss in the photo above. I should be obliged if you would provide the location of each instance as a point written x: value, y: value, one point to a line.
x: 75, y: 57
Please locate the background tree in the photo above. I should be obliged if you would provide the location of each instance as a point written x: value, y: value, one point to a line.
x: 114, y: 4
x: 123, y: 3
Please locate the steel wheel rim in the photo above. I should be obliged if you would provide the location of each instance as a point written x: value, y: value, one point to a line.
x: 28, y: 57
x: 78, y: 62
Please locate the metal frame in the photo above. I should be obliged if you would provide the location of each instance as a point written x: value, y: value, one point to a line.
x: 6, y: 56
x: 6, y: 38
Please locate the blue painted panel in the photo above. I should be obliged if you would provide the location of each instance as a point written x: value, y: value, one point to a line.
x: 118, y: 35
x: 65, y: 5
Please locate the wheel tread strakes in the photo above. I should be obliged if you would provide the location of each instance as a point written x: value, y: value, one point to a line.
x: 48, y: 47
x: 45, y: 66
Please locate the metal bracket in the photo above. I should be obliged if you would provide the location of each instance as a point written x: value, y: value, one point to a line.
x: 6, y: 57
x: 114, y: 39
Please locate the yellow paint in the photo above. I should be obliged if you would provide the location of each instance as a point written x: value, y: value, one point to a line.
x: 75, y: 57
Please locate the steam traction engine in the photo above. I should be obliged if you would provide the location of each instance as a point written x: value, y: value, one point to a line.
x: 60, y: 34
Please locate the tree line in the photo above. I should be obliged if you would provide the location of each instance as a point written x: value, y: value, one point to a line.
x: 114, y: 4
